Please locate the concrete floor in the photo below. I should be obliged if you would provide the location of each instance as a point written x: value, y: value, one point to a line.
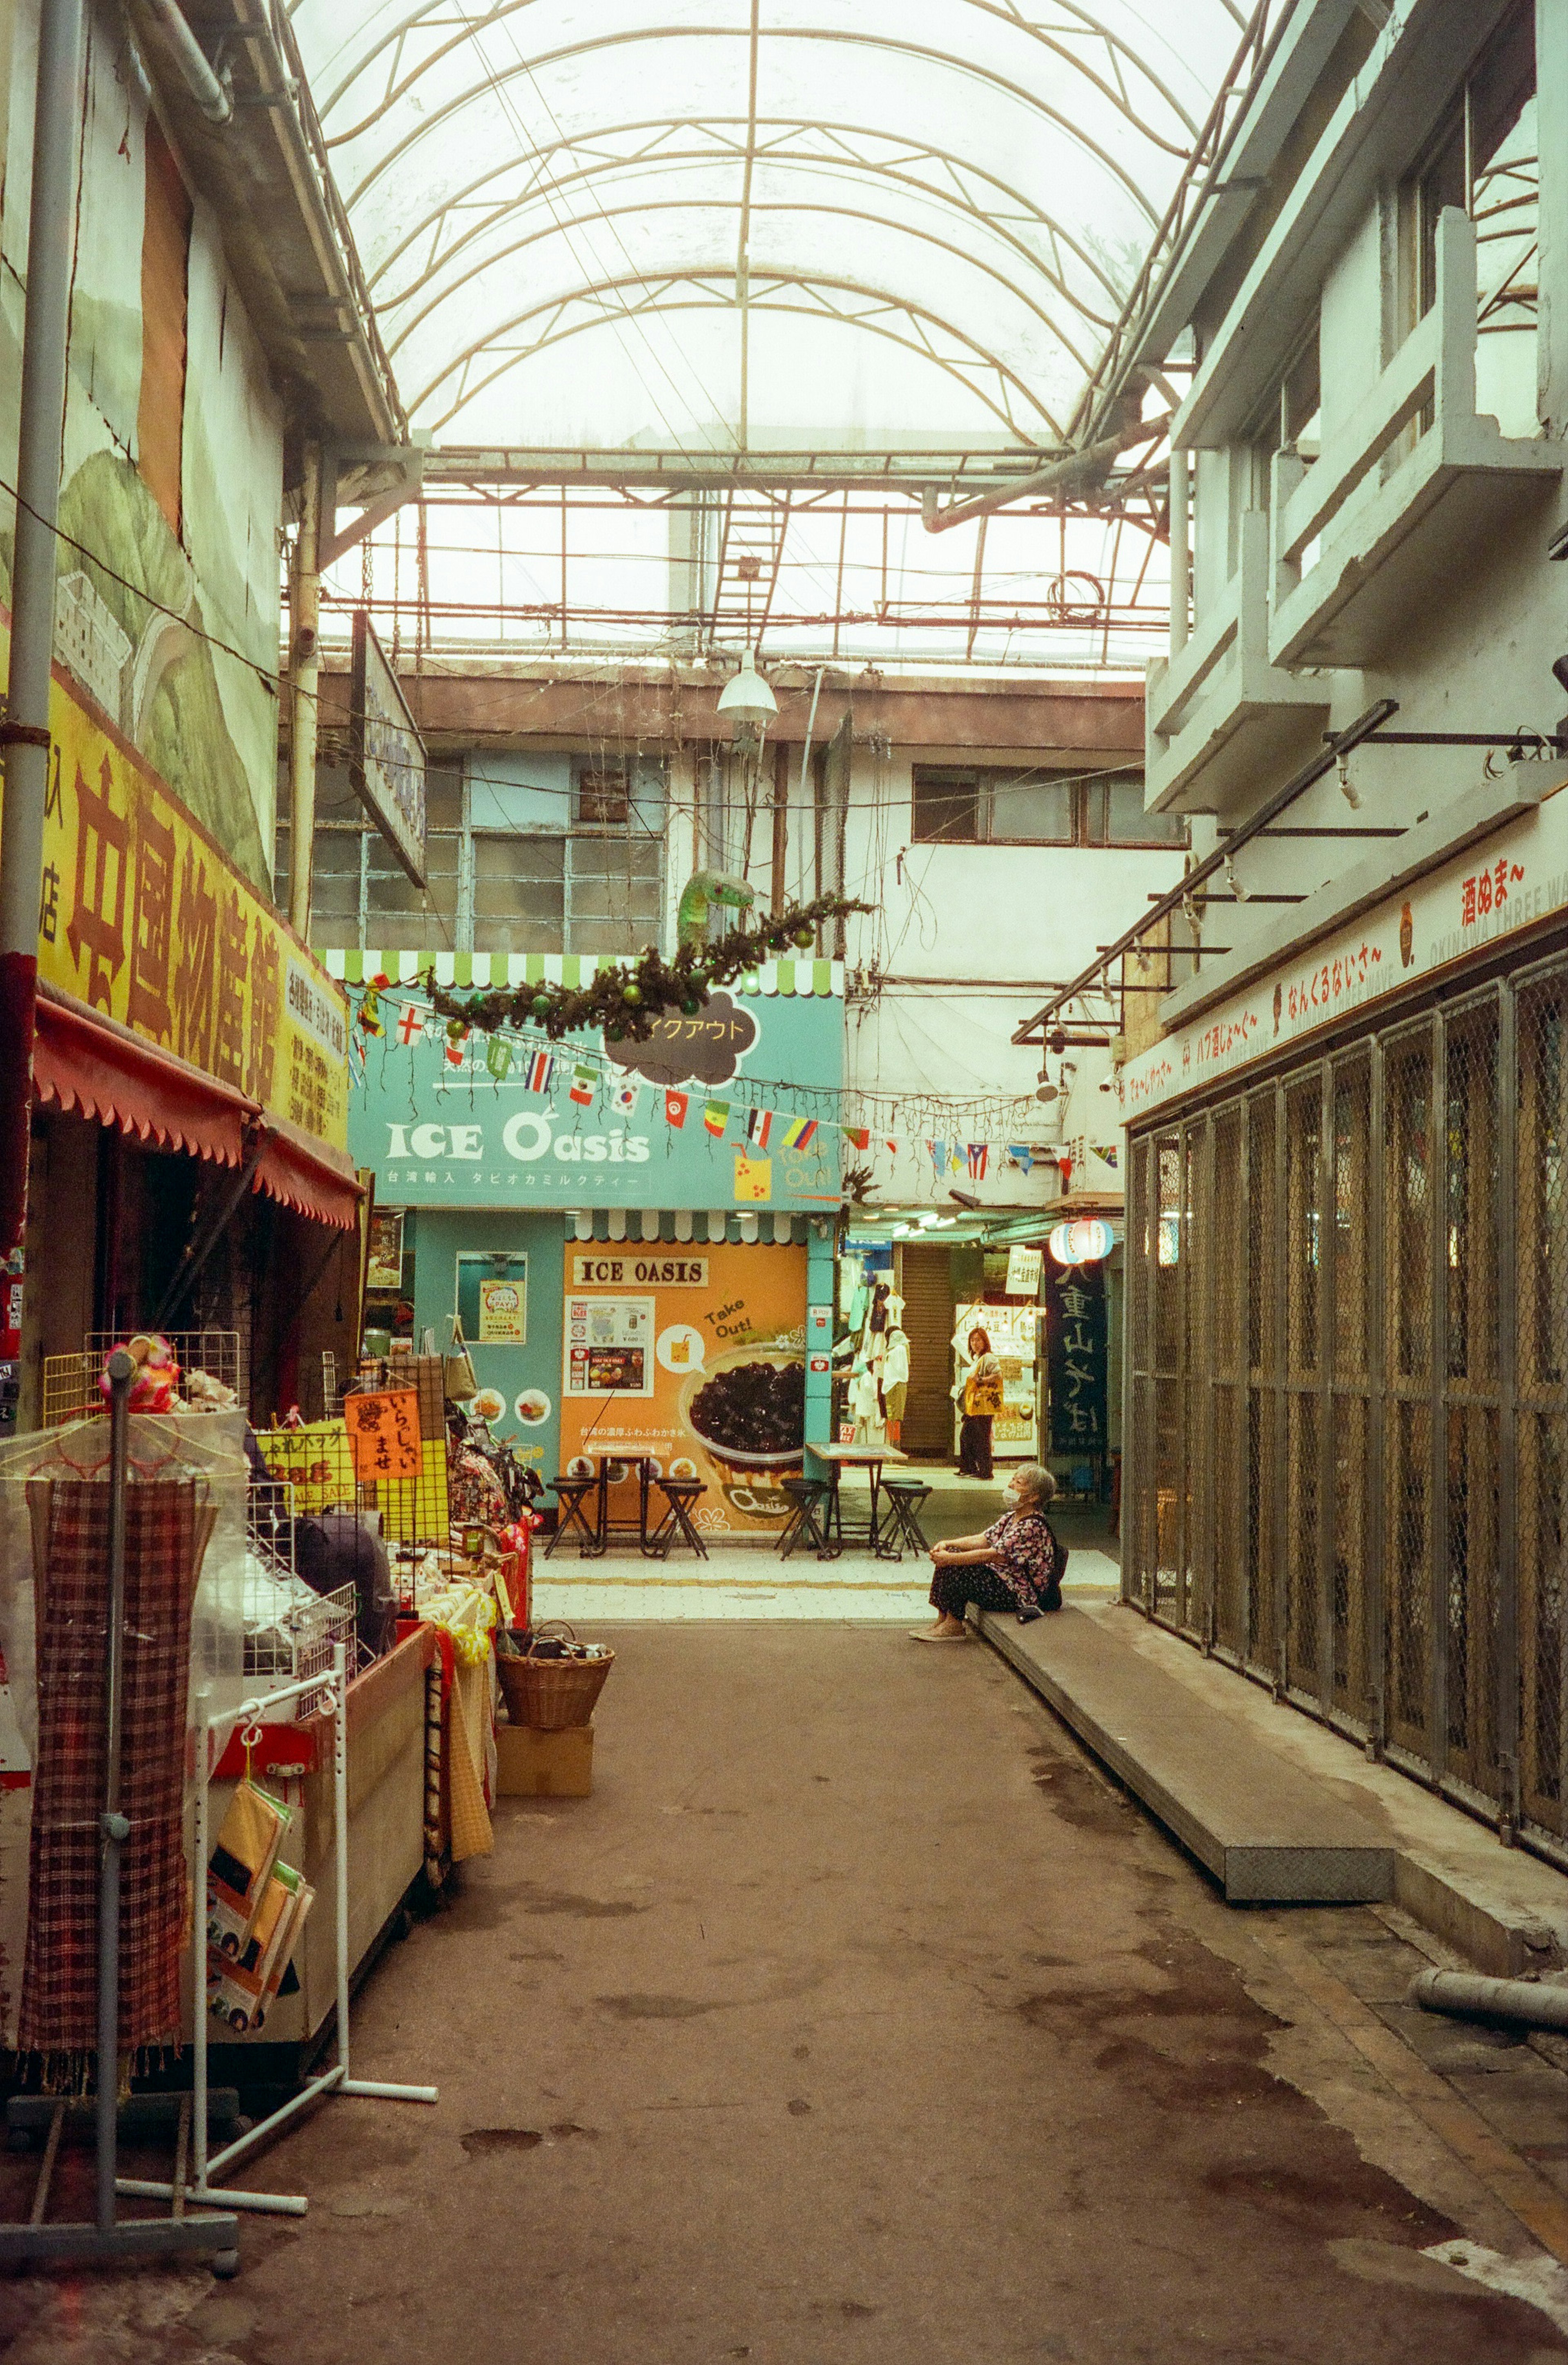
x: 854, y: 2017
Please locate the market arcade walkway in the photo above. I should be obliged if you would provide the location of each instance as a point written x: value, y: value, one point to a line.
x: 855, y: 2016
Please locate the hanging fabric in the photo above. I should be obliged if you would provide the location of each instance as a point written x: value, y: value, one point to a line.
x: 168, y: 1524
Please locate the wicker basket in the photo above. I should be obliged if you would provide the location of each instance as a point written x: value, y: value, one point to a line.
x: 551, y: 1694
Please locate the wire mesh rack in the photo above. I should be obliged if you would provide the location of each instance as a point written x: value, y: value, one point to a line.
x: 290, y: 1630
x: 70, y: 1383
x: 317, y: 1459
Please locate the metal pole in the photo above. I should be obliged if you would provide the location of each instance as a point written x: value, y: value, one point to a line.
x: 304, y: 667
x: 52, y: 230
x: 340, y: 1842
x: 112, y: 1824
x: 1504, y: 1696
x: 198, y: 1936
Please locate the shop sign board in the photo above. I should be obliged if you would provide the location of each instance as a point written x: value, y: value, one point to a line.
x: 146, y: 919
x: 626, y: 1269
x: 451, y: 1133
x: 706, y: 1381
x: 1076, y: 1359
x: 386, y: 754
x: 1466, y: 906
x: 1023, y: 1271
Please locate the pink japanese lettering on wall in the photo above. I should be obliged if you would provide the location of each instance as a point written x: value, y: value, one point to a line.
x: 1330, y: 983
x: 1518, y: 882
x: 1487, y: 891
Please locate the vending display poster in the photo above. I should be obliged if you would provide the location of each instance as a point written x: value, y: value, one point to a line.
x: 608, y: 1342
x: 492, y: 1297
x: 705, y: 1377
x: 1014, y: 1332
x: 384, y: 1269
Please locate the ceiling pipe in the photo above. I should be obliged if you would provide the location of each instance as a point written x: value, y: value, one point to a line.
x: 203, y: 85
x: 1075, y: 472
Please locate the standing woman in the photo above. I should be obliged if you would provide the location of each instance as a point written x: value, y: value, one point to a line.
x: 980, y: 1391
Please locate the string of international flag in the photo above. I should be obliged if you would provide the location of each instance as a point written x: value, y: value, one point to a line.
x: 542, y: 1073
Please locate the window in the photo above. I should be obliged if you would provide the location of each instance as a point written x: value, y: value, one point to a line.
x: 954, y: 807
x: 604, y: 799
x: 519, y: 895
x: 1118, y: 816
x: 1483, y: 160
x: 946, y: 809
x: 503, y: 872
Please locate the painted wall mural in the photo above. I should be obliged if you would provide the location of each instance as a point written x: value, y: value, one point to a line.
x: 167, y: 593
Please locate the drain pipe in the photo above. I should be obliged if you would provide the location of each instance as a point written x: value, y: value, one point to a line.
x: 24, y: 734
x: 1465, y: 1995
x: 305, y: 675
x: 195, y: 69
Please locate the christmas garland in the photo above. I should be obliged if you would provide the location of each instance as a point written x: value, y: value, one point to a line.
x: 625, y: 1002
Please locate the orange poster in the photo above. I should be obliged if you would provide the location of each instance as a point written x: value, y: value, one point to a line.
x: 384, y: 1435
x: 708, y: 1380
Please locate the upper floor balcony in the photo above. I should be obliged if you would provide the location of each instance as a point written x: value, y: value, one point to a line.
x: 1405, y: 494
x: 1219, y: 716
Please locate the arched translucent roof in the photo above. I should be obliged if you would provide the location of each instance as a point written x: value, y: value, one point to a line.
x: 612, y: 222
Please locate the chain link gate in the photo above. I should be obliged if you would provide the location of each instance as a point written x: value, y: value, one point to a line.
x: 1347, y: 1391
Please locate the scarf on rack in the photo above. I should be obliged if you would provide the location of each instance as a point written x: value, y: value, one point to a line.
x: 168, y: 1523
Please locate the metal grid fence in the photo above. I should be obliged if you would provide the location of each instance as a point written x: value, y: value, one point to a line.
x: 1347, y: 1390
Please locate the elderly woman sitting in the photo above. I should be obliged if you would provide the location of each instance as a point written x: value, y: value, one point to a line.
x: 1014, y: 1565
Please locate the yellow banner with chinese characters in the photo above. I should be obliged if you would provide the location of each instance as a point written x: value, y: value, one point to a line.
x: 143, y: 918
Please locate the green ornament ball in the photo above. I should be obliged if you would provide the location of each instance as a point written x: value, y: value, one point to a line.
x: 613, y: 1034
x: 456, y: 1029
x: 539, y: 1005
x: 691, y: 1007
x: 804, y: 937
x: 699, y: 980
x: 631, y: 993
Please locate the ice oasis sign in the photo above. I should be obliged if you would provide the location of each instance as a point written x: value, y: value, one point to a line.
x: 440, y: 1136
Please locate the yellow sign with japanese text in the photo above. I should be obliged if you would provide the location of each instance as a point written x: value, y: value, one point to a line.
x: 144, y: 918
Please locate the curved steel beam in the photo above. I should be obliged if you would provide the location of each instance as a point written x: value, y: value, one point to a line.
x: 656, y: 157
x: 721, y: 276
x: 397, y: 34
x: 646, y: 206
x: 441, y: 116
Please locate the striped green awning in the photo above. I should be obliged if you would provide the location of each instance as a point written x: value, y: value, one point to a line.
x: 485, y: 970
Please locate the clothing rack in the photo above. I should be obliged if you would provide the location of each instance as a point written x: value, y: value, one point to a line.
x: 110, y: 2237
x: 214, y: 2232
x: 212, y: 1733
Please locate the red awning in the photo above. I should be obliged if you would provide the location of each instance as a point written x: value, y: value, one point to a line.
x: 305, y: 1174
x: 84, y: 1060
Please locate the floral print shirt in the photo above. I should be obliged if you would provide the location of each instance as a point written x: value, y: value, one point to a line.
x: 1023, y: 1555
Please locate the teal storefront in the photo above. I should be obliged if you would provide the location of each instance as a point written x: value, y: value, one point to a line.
x: 723, y: 1130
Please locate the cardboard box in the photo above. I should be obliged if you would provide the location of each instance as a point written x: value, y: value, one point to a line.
x: 534, y: 1764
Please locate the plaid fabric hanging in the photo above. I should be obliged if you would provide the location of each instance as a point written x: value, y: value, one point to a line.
x: 167, y: 1527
